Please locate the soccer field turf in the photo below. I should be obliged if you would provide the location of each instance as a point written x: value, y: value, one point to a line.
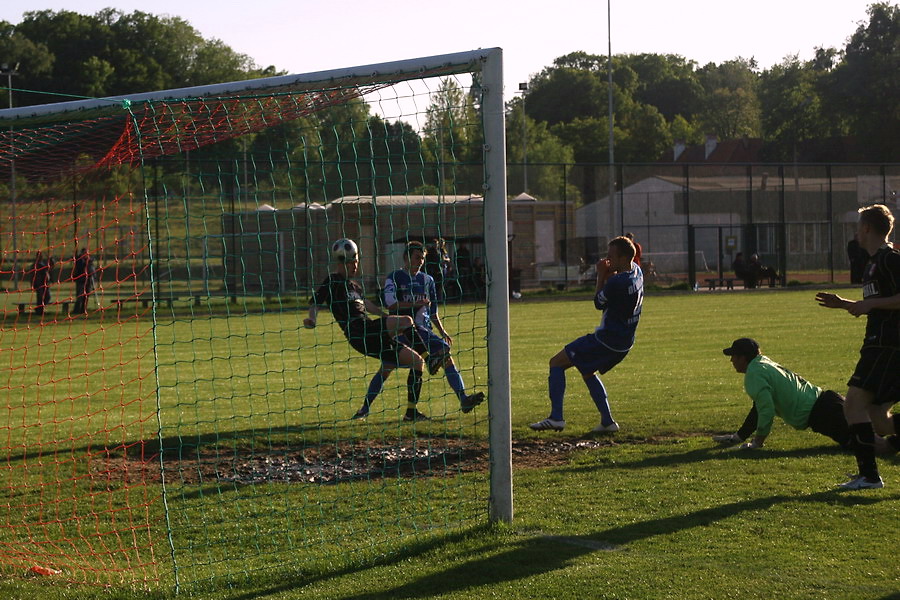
x: 661, y: 512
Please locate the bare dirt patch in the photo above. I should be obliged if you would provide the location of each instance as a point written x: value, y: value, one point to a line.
x: 340, y: 462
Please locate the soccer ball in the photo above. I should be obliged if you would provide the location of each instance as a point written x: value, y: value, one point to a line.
x: 344, y: 250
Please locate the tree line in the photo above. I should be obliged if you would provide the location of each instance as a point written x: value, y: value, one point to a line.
x: 848, y: 92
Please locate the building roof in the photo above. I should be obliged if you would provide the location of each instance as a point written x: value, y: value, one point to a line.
x: 744, y: 150
x: 409, y: 200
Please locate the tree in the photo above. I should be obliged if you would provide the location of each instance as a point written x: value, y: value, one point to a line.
x: 792, y: 108
x: 865, y: 86
x: 451, y: 138
x: 667, y: 82
x: 542, y: 147
x: 731, y: 105
x: 113, y: 53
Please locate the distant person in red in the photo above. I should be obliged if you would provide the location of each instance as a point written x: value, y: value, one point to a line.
x: 40, y: 282
x: 637, y: 249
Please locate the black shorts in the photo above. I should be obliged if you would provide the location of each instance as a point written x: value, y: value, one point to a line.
x: 878, y: 372
x: 370, y: 338
x: 827, y: 417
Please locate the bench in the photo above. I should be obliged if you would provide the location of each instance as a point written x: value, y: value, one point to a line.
x: 720, y: 282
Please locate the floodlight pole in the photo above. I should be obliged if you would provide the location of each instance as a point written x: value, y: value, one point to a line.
x: 612, y: 160
x: 10, y: 71
x: 523, y: 89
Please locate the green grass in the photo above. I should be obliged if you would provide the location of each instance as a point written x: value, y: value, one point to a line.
x: 663, y: 513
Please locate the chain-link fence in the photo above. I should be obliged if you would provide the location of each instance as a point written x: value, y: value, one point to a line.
x: 694, y: 220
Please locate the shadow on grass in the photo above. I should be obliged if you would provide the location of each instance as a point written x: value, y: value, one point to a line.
x: 710, y: 453
x: 541, y: 554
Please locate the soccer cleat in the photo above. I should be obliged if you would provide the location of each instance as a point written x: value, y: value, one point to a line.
x: 601, y: 428
x: 471, y: 401
x: 859, y: 482
x: 548, y: 425
x: 435, y: 362
x: 362, y: 413
x: 415, y: 415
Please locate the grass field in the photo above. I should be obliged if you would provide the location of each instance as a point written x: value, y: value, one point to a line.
x: 656, y: 511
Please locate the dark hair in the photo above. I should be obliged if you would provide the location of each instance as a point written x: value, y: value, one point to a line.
x: 878, y: 217
x: 624, y: 246
x: 413, y: 246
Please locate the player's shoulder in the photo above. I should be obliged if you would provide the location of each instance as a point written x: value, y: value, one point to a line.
x: 890, y: 254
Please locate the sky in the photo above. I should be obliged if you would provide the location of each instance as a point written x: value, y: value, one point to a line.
x: 300, y: 36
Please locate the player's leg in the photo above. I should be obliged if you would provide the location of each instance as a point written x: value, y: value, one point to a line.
x: 375, y: 387
x: 862, y: 439
x: 556, y: 387
x: 601, y: 400
x: 439, y: 355
x: 412, y: 360
x: 886, y: 424
x: 594, y: 358
x: 396, y: 324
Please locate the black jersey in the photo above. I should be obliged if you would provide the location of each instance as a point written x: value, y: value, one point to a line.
x: 881, y: 279
x: 344, y: 298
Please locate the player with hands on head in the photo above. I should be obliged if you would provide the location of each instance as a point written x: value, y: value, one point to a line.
x: 412, y: 293
x: 370, y: 337
x: 874, y: 386
x: 619, y: 293
x: 778, y: 391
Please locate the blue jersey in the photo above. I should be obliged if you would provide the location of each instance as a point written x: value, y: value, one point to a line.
x: 620, y: 300
x: 401, y: 286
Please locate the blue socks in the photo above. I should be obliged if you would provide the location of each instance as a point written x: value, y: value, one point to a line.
x: 456, y: 381
x: 374, y: 388
x: 598, y: 394
x: 557, y: 385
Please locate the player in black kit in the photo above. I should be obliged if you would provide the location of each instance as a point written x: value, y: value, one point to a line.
x: 875, y: 385
x: 370, y: 337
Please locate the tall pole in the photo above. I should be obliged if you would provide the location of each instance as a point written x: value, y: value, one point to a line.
x: 612, y: 156
x: 10, y: 71
x: 495, y: 242
x: 523, y: 88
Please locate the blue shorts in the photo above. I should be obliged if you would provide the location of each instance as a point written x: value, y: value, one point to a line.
x: 425, y: 340
x: 588, y: 355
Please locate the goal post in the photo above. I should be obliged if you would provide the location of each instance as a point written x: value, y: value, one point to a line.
x: 183, y: 427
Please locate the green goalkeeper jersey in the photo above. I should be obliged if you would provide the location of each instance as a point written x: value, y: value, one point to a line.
x: 778, y: 391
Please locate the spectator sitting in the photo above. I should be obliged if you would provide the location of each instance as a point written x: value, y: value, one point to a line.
x: 759, y: 271
x: 741, y: 270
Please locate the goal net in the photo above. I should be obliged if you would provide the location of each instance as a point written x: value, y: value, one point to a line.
x: 170, y: 421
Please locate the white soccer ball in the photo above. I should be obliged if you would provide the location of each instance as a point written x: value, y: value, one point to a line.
x: 344, y: 250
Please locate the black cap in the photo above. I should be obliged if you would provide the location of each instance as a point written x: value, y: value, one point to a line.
x: 742, y: 347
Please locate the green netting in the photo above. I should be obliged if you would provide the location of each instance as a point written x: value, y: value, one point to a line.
x: 178, y: 425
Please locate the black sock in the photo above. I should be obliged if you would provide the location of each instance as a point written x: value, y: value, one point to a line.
x: 413, y: 386
x: 894, y: 442
x: 864, y: 449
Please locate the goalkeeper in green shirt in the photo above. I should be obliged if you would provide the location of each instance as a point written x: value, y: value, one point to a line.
x: 778, y: 391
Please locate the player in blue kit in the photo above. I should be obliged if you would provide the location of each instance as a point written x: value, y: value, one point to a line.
x: 620, y: 295
x: 411, y: 292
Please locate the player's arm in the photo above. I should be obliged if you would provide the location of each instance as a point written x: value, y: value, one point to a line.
x: 436, y: 320
x: 310, y: 321
x: 604, y: 272
x: 863, y: 307
x: 391, y: 302
x: 745, y: 431
x: 374, y: 309
x: 318, y: 299
x: 764, y: 403
x: 829, y: 300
